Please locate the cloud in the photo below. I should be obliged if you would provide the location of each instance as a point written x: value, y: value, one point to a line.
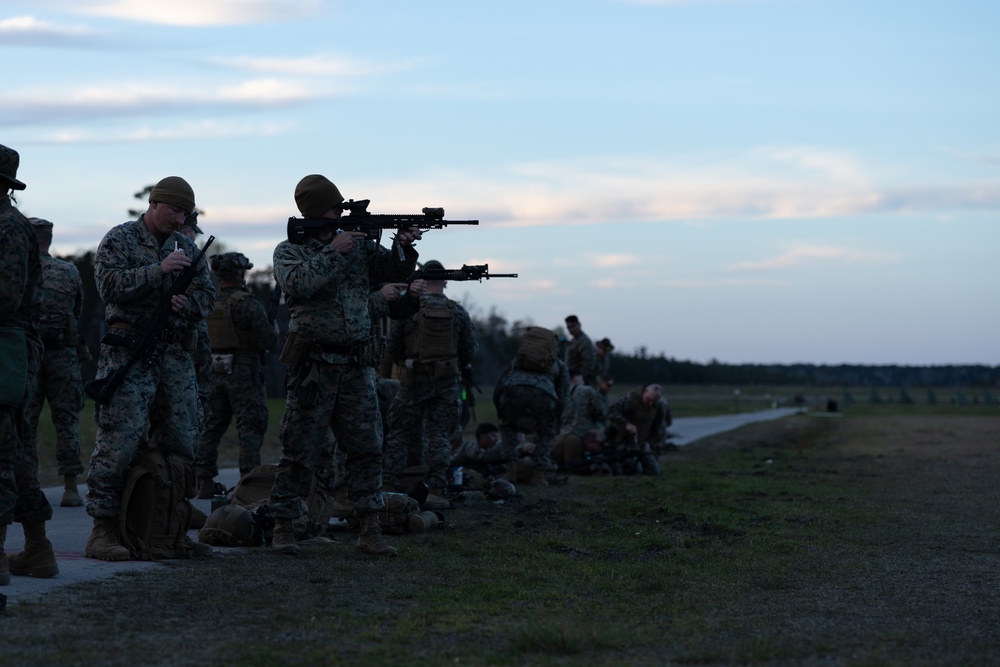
x: 318, y: 65
x: 811, y: 254
x: 797, y: 183
x: 47, y: 105
x: 194, y: 12
x: 29, y: 31
x: 612, y: 261
x: 204, y: 129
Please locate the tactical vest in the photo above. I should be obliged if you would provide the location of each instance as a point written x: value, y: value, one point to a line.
x: 222, y: 333
x: 434, y: 337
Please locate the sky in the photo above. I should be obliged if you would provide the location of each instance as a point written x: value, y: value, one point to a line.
x: 748, y: 181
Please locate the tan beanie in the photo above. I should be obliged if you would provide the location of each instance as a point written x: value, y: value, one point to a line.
x: 315, y: 195
x: 175, y: 191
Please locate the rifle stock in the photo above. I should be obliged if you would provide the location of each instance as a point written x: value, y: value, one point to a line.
x: 144, y: 344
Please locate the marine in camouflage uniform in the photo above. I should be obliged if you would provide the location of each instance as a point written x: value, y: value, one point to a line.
x: 330, y: 352
x: 581, y: 354
x: 529, y: 401
x: 135, y: 266
x: 427, y: 410
x: 240, y: 332
x: 21, y: 498
x: 585, y: 408
x: 639, y: 419
x: 59, y: 381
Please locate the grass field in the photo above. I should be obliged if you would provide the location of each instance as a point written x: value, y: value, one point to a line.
x: 866, y: 540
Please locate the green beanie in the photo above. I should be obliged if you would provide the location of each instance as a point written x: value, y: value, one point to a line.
x: 175, y: 191
x: 315, y: 195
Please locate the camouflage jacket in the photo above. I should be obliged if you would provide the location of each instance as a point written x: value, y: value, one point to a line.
x: 129, y: 279
x: 581, y: 355
x: 61, y: 294
x: 20, y: 270
x: 328, y: 293
x: 585, y: 411
x: 249, y: 317
x: 652, y: 421
x: 470, y: 452
x: 555, y: 382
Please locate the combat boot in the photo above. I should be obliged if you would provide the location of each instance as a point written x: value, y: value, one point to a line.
x: 4, y: 571
x: 37, y: 559
x: 206, y: 488
x: 198, y: 549
x: 71, y: 497
x: 283, y: 540
x: 370, y: 541
x: 104, y: 543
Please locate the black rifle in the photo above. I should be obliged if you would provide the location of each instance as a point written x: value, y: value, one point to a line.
x: 360, y: 220
x: 467, y: 272
x: 468, y: 394
x: 143, y: 342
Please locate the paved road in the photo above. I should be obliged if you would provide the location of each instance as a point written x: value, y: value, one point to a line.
x: 70, y: 526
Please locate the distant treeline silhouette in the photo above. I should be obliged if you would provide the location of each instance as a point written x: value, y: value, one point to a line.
x: 499, y: 337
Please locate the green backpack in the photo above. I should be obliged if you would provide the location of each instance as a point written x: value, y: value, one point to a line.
x: 156, y: 512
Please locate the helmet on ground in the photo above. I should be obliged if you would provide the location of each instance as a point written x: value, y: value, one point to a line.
x: 228, y: 526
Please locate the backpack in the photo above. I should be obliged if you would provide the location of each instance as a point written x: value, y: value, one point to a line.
x: 537, y: 350
x: 156, y: 513
x: 433, y: 341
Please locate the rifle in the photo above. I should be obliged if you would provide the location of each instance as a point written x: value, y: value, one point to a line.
x: 360, y: 220
x: 144, y: 342
x: 467, y: 272
x: 468, y: 397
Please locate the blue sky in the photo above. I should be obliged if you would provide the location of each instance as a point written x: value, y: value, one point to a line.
x: 760, y: 181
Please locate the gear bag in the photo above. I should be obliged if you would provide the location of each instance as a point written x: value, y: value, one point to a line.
x: 156, y: 513
x: 433, y: 342
x: 537, y: 350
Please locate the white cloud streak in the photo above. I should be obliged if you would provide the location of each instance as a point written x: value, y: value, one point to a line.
x: 811, y: 254
x: 194, y: 12
x: 47, y: 105
x: 27, y: 30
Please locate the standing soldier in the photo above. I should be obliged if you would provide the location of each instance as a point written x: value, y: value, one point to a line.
x: 135, y: 268
x: 430, y: 349
x: 331, y: 355
x: 239, y: 332
x: 604, y: 350
x: 21, y: 497
x: 580, y: 352
x: 59, y: 381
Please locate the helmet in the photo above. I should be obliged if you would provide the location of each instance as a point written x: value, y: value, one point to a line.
x: 499, y: 489
x: 228, y: 526
x: 230, y: 264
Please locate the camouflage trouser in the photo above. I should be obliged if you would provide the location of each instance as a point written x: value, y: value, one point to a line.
x: 162, y: 399
x: 241, y: 395
x: 437, y: 407
x: 528, y: 409
x: 21, y: 497
x: 59, y: 383
x: 321, y: 397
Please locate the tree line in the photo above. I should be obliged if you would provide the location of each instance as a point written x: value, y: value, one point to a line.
x: 498, y: 340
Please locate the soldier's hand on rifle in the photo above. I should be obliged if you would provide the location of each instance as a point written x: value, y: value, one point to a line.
x: 418, y: 288
x: 632, y: 429
x: 344, y: 242
x: 408, y: 236
x: 175, y: 261
x: 177, y: 302
x: 392, y: 291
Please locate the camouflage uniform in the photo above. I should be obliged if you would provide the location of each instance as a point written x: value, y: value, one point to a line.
x: 434, y: 404
x: 528, y: 401
x: 330, y: 380
x: 241, y: 391
x: 651, y: 422
x: 585, y: 411
x: 162, y: 398
x: 59, y: 380
x: 21, y: 498
x: 581, y: 355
